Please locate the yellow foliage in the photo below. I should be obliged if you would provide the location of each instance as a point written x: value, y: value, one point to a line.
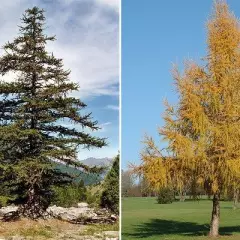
x: 203, y: 130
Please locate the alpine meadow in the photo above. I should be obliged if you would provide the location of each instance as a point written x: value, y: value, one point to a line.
x: 43, y: 126
x: 200, y: 157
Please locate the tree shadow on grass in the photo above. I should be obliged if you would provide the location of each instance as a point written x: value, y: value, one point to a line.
x: 158, y: 227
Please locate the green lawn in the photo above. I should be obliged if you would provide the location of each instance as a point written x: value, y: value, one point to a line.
x: 143, y: 218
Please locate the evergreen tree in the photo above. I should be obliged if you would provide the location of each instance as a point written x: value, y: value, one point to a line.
x: 32, y: 105
x: 110, y: 194
x: 203, y: 130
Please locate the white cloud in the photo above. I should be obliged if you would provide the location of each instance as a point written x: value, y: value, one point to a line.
x: 113, y: 107
x: 110, y: 3
x: 109, y: 152
x: 104, y: 126
x: 87, y: 39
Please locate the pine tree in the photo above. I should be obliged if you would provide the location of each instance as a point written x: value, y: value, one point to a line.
x: 203, y: 130
x: 32, y: 106
x: 110, y: 194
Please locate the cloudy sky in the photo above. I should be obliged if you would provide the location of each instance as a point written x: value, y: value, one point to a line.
x: 87, y: 40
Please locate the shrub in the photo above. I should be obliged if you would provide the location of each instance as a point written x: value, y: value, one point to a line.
x: 70, y: 195
x: 165, y: 195
x: 93, y: 198
x: 4, y: 200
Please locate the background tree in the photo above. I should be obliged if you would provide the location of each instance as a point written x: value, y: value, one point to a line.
x: 32, y: 106
x: 203, y: 130
x: 110, y: 194
x: 144, y: 186
x: 236, y: 190
x: 127, y: 182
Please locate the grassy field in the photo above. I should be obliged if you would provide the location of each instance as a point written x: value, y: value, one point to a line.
x: 143, y: 218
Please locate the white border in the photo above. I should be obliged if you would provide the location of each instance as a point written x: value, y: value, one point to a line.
x: 120, y: 119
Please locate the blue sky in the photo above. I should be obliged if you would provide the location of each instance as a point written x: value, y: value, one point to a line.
x: 156, y: 34
x: 87, y: 33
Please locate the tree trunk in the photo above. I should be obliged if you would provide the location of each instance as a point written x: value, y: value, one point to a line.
x: 214, y: 226
x: 235, y: 200
x: 32, y: 208
x: 182, y: 196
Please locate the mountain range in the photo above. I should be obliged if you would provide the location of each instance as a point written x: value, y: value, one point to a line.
x: 88, y: 178
x: 99, y: 162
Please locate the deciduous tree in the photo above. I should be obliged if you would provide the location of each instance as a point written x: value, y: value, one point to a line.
x: 203, y: 130
x: 127, y: 182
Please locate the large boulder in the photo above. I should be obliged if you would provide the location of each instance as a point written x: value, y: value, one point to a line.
x: 8, y: 210
x: 9, y: 213
x: 80, y: 214
x: 72, y: 214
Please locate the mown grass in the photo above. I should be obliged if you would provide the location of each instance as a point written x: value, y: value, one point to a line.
x: 143, y: 218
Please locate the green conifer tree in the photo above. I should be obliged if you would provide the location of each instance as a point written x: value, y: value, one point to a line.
x: 31, y: 107
x: 110, y: 194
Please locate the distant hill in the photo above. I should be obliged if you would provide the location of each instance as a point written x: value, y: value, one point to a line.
x: 88, y: 178
x: 99, y: 162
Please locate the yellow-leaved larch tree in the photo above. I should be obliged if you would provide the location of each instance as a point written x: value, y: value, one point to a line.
x: 203, y: 130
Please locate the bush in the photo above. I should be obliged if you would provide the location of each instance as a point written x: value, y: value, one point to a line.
x: 4, y: 200
x: 165, y: 195
x: 94, y: 197
x: 110, y: 194
x: 70, y: 195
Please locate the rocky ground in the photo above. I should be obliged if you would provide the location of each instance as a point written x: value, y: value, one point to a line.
x: 75, y: 223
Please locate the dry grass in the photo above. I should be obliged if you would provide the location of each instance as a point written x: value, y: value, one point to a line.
x: 51, y: 229
x: 41, y: 229
x: 99, y: 228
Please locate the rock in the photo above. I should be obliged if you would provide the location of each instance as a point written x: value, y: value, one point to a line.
x: 114, y: 217
x: 9, y: 213
x: 71, y: 214
x: 7, y: 210
x: 112, y: 234
x: 82, y: 205
x: 17, y: 238
x: 81, y: 214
